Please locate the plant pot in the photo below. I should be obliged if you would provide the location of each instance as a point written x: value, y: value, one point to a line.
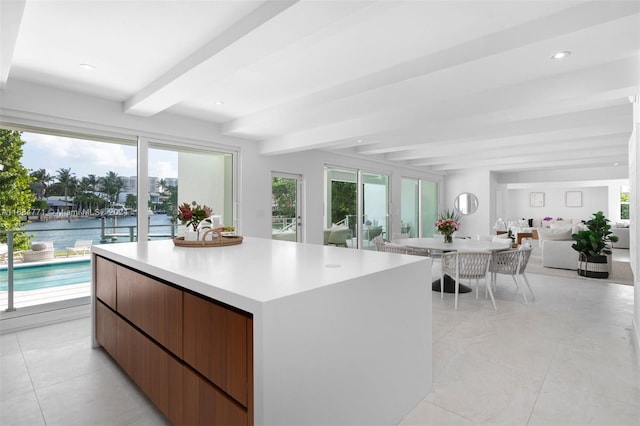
x: 593, y: 266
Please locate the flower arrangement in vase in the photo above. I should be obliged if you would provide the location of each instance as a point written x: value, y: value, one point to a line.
x: 447, y: 224
x: 192, y: 215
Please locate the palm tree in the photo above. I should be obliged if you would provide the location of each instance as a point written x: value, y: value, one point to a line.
x: 41, y: 183
x: 68, y: 181
x: 162, y: 183
x: 112, y: 185
x: 92, y: 182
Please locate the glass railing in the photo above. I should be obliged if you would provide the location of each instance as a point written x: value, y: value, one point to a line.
x: 56, y: 268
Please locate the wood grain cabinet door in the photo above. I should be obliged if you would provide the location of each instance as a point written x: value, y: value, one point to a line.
x: 106, y: 281
x: 216, y: 343
x: 106, y: 334
x: 154, y: 307
x: 206, y: 405
x: 153, y: 369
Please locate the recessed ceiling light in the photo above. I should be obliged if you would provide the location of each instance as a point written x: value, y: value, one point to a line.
x: 561, y: 55
x: 88, y: 67
x: 219, y: 102
x: 615, y: 164
x: 359, y: 141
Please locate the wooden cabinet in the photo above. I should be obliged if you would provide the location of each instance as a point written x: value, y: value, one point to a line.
x: 152, y: 306
x: 205, y: 404
x: 153, y: 369
x: 193, y: 357
x: 215, y: 344
x: 106, y: 331
x: 106, y: 282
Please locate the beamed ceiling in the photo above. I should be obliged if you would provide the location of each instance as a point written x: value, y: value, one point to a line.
x: 443, y: 86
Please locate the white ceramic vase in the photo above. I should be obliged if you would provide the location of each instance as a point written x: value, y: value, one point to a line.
x: 190, y: 235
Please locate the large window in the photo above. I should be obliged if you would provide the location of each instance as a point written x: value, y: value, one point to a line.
x: 84, y: 191
x: 357, y: 204
x: 181, y: 175
x: 80, y: 194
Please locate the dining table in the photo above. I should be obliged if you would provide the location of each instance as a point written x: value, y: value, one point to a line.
x: 458, y: 244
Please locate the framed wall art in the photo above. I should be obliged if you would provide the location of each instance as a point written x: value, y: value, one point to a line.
x: 536, y: 199
x: 573, y: 198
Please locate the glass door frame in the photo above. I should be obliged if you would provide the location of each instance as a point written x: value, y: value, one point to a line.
x: 359, y: 240
x: 299, y: 197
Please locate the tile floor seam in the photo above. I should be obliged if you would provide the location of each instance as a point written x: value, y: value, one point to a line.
x: 33, y: 387
x: 542, y: 382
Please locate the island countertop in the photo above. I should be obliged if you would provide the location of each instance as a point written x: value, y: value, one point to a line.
x: 256, y: 271
x: 340, y: 336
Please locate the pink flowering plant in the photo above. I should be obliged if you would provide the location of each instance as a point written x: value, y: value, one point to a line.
x: 192, y: 214
x: 448, y: 223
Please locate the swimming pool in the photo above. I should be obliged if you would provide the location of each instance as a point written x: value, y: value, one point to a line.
x: 35, y: 277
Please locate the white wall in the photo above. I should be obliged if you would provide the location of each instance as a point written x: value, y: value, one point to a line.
x: 593, y: 199
x: 478, y: 183
x: 25, y: 105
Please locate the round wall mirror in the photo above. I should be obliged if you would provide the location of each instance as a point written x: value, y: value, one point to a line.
x: 466, y: 203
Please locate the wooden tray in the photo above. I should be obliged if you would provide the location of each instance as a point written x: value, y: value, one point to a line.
x: 218, y: 242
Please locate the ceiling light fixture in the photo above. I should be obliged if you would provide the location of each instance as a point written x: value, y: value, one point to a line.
x: 219, y: 102
x: 561, y: 55
x: 615, y: 164
x: 88, y: 67
x: 359, y: 140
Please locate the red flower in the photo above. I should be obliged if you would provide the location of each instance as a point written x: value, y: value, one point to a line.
x: 193, y: 214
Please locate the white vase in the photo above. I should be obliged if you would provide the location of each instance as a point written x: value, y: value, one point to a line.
x: 190, y: 235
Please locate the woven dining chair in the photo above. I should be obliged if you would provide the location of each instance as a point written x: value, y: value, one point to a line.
x: 512, y: 262
x: 394, y: 248
x: 466, y: 265
x: 379, y: 243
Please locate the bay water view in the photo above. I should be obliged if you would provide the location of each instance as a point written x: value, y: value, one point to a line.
x: 64, y: 233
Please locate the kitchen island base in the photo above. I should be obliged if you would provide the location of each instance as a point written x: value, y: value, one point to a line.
x: 343, y: 339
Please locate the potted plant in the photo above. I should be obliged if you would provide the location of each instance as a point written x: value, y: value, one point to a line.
x: 592, y: 245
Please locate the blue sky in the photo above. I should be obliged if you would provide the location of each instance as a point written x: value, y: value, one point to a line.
x: 85, y: 157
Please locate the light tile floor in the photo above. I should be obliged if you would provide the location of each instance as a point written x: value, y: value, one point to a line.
x: 566, y: 359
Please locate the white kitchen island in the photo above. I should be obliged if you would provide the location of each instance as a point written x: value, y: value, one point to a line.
x: 339, y: 336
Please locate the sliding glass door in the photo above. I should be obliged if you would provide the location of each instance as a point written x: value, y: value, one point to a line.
x: 429, y: 207
x: 375, y: 208
x: 410, y: 207
x: 357, y: 207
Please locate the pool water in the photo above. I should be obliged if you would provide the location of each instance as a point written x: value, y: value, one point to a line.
x: 45, y: 276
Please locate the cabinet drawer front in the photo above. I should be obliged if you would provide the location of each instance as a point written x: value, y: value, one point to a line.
x: 153, y: 369
x: 154, y: 307
x: 106, y: 321
x: 206, y: 405
x: 216, y: 343
x: 106, y: 281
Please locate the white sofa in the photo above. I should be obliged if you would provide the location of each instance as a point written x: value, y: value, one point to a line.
x: 556, y: 248
x: 623, y: 237
x: 559, y: 254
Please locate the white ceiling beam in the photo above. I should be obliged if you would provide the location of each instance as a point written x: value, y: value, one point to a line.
x: 537, y: 158
x: 458, y: 118
x: 176, y: 84
x: 558, y: 164
x: 438, y: 155
x: 585, y: 15
x: 10, y: 19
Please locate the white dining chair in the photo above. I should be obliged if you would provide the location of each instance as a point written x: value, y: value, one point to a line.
x: 512, y: 262
x: 466, y: 265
